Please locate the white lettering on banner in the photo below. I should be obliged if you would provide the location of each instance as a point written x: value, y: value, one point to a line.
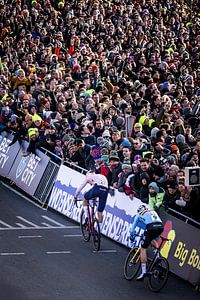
x: 33, y: 162
x: 4, y: 146
x: 26, y: 168
x: 3, y: 159
x: 116, y: 228
x: 28, y: 176
x: 62, y: 202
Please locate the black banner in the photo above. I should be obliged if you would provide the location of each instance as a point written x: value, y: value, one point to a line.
x: 7, y: 153
x: 27, y: 171
x: 183, y: 252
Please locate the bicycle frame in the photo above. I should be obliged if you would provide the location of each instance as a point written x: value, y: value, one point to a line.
x: 91, y: 216
x: 90, y: 228
x: 157, y: 269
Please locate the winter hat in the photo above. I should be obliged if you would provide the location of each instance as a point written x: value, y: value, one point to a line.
x: 126, y: 143
x: 32, y: 131
x: 66, y: 138
x: 180, y: 139
x: 79, y: 116
x: 126, y: 166
x: 119, y: 121
x: 114, y: 155
x: 171, y: 160
x: 14, y: 118
x: 174, y: 148
x: 106, y: 133
x: 154, y: 132
x: 154, y: 186
x: 138, y: 125
x: 36, y: 118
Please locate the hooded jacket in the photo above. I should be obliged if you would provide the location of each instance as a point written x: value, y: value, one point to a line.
x: 156, y: 200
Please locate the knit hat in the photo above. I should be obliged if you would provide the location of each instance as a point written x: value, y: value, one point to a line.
x: 32, y: 131
x: 138, y: 125
x: 154, y: 132
x: 154, y: 186
x: 114, y: 155
x: 174, y: 148
x: 36, y: 118
x: 180, y: 139
x: 119, y: 121
x: 126, y: 143
x: 126, y: 166
x: 66, y: 137
x: 106, y: 133
x: 79, y: 116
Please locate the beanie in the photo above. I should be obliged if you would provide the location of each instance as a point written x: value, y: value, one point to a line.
x: 32, y: 131
x: 36, y: 118
x: 180, y: 139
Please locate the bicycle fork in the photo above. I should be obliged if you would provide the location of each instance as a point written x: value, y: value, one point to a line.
x: 136, y: 255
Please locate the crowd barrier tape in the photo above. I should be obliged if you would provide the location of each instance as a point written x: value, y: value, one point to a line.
x: 183, y: 252
x: 183, y: 249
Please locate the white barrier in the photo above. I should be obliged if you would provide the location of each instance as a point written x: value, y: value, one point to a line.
x: 118, y: 214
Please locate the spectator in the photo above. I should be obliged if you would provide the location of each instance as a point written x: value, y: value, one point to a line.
x: 156, y: 196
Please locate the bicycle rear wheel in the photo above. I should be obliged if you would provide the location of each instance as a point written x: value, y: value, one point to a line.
x: 96, y: 235
x: 132, y: 263
x: 159, y: 273
x: 84, y: 228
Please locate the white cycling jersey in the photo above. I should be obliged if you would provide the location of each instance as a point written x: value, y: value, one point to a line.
x: 92, y: 179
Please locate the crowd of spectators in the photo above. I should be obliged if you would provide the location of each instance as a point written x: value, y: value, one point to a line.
x: 74, y: 74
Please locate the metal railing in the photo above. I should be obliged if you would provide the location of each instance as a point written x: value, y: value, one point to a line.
x: 184, y: 217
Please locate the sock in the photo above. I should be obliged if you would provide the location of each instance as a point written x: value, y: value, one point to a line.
x: 144, y: 268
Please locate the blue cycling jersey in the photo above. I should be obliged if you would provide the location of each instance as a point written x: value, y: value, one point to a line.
x: 141, y: 221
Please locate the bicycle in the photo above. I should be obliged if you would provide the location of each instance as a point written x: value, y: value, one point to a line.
x: 91, y: 227
x: 157, y: 269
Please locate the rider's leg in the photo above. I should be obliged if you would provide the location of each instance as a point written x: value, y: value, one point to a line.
x: 143, y: 259
x: 100, y: 216
x: 85, y: 207
x: 154, y: 244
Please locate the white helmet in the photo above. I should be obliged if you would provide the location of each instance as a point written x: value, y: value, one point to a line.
x: 141, y: 208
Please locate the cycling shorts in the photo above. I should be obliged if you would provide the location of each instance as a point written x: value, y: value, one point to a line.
x: 98, y: 191
x: 152, y: 231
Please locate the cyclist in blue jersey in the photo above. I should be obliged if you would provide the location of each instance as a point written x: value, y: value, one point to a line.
x: 147, y: 224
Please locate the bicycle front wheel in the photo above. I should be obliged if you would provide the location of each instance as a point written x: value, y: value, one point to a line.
x: 96, y: 235
x: 84, y: 227
x: 159, y: 274
x: 132, y: 264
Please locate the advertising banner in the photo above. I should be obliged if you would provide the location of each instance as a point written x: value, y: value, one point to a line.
x: 7, y: 153
x: 183, y: 251
x: 119, y: 210
x: 27, y: 171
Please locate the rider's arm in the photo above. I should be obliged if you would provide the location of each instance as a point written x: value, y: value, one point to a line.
x: 79, y: 189
x: 135, y: 220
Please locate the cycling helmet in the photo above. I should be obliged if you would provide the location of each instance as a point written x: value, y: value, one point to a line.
x: 141, y: 208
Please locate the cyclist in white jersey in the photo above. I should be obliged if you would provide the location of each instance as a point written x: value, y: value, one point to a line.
x: 99, y: 189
